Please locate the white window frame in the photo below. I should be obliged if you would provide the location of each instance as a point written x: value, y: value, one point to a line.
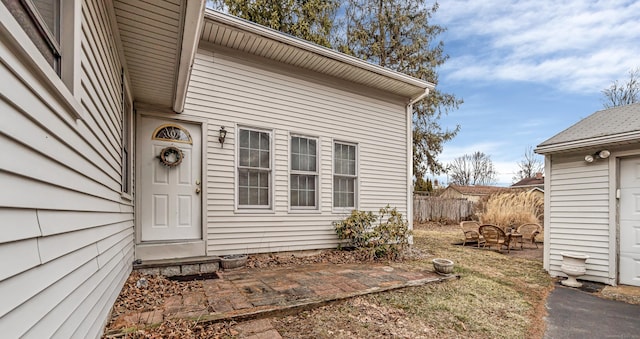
x: 315, y: 173
x: 51, y: 35
x: 66, y: 85
x: 126, y: 185
x: 356, y: 184
x: 255, y: 208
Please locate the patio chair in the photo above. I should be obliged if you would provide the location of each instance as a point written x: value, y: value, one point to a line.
x: 529, y: 231
x: 470, y: 230
x: 494, y: 235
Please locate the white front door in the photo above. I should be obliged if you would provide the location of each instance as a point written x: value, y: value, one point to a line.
x: 630, y: 221
x: 170, y: 203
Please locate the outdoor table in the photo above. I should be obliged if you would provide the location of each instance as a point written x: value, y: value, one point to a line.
x: 517, y: 237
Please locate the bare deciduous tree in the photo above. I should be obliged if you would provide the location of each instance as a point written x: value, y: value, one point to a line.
x: 530, y: 164
x: 474, y: 169
x: 623, y: 93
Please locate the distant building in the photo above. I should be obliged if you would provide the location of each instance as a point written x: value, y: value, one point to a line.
x: 471, y: 193
x: 532, y: 182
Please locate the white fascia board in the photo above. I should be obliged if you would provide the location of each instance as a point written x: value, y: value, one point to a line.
x: 274, y: 35
x: 192, y: 29
x: 593, y: 142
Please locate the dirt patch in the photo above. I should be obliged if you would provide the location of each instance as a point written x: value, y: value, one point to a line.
x: 628, y: 294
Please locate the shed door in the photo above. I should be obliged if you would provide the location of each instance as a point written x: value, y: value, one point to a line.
x: 630, y: 221
x: 170, y: 204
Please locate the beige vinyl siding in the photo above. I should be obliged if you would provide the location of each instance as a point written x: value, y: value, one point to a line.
x: 66, y: 229
x: 231, y: 90
x: 579, y: 214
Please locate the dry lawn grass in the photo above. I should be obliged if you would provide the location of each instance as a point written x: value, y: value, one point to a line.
x: 498, y: 296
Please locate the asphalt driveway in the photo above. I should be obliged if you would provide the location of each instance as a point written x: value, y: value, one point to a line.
x: 577, y: 314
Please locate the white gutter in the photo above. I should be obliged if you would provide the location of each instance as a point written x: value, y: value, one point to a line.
x: 410, y: 155
x: 593, y: 142
x: 268, y: 33
x: 192, y: 29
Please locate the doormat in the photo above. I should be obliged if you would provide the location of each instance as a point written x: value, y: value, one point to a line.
x: 195, y: 277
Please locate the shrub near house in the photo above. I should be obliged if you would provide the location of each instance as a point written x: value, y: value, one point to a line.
x: 386, y: 239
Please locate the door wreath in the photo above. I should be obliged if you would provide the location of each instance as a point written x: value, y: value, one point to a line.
x: 171, y: 156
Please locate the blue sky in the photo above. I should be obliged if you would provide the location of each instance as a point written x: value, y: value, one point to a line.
x: 529, y: 69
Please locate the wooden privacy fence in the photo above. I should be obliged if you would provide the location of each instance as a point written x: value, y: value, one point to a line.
x: 427, y: 208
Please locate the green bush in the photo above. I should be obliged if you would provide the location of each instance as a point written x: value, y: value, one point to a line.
x: 387, y: 238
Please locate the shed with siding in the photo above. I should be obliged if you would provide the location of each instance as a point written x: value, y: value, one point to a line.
x: 592, y: 195
x: 142, y: 90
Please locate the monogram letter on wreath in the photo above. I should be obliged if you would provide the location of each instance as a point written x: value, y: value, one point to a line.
x: 171, y: 156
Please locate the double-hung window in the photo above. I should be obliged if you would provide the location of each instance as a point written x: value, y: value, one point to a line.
x: 344, y: 175
x: 304, y: 173
x: 254, y: 168
x: 41, y: 20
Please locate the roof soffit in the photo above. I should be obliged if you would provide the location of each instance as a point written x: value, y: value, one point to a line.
x: 152, y: 37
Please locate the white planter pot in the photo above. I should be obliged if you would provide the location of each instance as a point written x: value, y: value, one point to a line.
x: 233, y: 261
x: 573, y: 265
x: 443, y: 266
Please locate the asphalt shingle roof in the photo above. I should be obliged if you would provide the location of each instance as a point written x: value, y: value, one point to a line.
x: 478, y: 190
x: 608, y: 122
x: 529, y: 182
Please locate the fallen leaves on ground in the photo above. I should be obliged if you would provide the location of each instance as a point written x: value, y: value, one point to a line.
x: 498, y: 296
x: 158, y: 288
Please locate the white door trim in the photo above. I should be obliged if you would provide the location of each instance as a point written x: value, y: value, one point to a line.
x: 166, y: 250
x: 620, y: 157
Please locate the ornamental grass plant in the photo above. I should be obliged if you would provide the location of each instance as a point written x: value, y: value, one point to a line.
x: 506, y: 209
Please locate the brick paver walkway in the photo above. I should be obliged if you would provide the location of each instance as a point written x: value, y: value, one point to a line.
x: 257, y: 293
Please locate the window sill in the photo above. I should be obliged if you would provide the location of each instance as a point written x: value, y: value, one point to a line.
x: 254, y: 211
x: 126, y: 197
x: 304, y: 211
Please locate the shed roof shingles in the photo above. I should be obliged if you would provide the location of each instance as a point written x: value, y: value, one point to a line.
x: 608, y: 122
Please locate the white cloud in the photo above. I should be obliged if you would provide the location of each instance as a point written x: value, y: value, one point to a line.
x: 577, y: 46
x: 453, y: 152
x: 506, y: 170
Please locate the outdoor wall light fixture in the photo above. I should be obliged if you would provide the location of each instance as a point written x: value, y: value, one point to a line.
x: 597, y: 155
x: 222, y: 136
